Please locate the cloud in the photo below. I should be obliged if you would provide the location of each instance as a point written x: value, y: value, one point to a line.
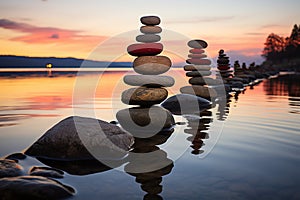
x: 40, y: 35
x: 270, y: 26
x: 201, y: 20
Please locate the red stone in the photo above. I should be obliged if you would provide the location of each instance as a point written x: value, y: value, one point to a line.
x: 196, y: 51
x: 223, y: 67
x: 147, y: 49
x: 198, y: 61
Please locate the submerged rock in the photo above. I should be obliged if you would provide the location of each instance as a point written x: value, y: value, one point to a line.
x: 185, y: 104
x: 73, y: 138
x: 9, y: 168
x: 33, y: 187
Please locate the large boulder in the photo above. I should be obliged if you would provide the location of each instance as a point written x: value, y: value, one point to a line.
x: 185, y: 104
x: 33, y: 187
x: 79, y: 138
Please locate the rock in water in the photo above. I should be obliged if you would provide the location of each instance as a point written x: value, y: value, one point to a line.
x: 197, y: 44
x: 145, y: 122
x: 150, y: 20
x: 9, y: 168
x: 33, y: 187
x: 145, y: 49
x: 150, y: 29
x: 46, y: 172
x: 152, y: 65
x: 185, y: 104
x: 71, y: 137
x: 149, y: 80
x: 144, y: 96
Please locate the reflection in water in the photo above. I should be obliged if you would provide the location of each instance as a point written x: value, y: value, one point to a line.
x: 287, y: 85
x: 150, y: 181
x: 197, y: 128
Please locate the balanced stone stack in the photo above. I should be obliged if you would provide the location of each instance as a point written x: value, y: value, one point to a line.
x: 149, y: 82
x: 224, y: 66
x: 198, y: 68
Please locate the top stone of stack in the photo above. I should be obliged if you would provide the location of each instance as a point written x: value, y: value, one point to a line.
x: 150, y: 20
x: 197, y: 44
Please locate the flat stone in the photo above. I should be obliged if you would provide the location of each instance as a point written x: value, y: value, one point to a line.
x: 145, y: 49
x: 197, y: 44
x: 152, y: 65
x: 46, y: 172
x: 75, y: 137
x: 197, y: 55
x: 145, y: 122
x: 150, y: 20
x: 198, y: 73
x: 147, y: 38
x: 9, y: 168
x: 198, y: 61
x: 144, y: 96
x: 204, y: 81
x: 196, y: 51
x: 237, y: 84
x: 197, y: 67
x: 223, y: 61
x: 202, y: 91
x: 150, y: 29
x: 223, y: 67
x: 33, y: 187
x: 149, y: 80
x: 185, y: 104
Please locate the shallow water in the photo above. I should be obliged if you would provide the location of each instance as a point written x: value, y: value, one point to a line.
x: 251, y: 150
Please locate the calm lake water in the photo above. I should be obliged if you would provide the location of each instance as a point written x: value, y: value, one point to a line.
x: 251, y: 143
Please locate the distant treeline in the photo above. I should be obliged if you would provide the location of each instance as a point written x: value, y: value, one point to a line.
x: 280, y: 50
x: 9, y: 61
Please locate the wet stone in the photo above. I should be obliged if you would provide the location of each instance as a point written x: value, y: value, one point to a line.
x: 16, y: 156
x: 10, y: 168
x: 33, y: 187
x: 149, y: 80
x: 46, y: 172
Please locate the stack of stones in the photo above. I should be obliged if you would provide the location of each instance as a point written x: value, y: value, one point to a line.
x: 198, y: 68
x: 149, y: 82
x: 224, y: 66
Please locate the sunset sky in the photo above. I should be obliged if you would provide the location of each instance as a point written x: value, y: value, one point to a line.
x: 73, y: 28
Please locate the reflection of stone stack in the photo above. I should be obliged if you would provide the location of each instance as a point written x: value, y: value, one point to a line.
x: 198, y: 127
x: 223, y: 109
x: 150, y: 180
x: 198, y: 69
x: 149, y: 82
x: 224, y: 66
